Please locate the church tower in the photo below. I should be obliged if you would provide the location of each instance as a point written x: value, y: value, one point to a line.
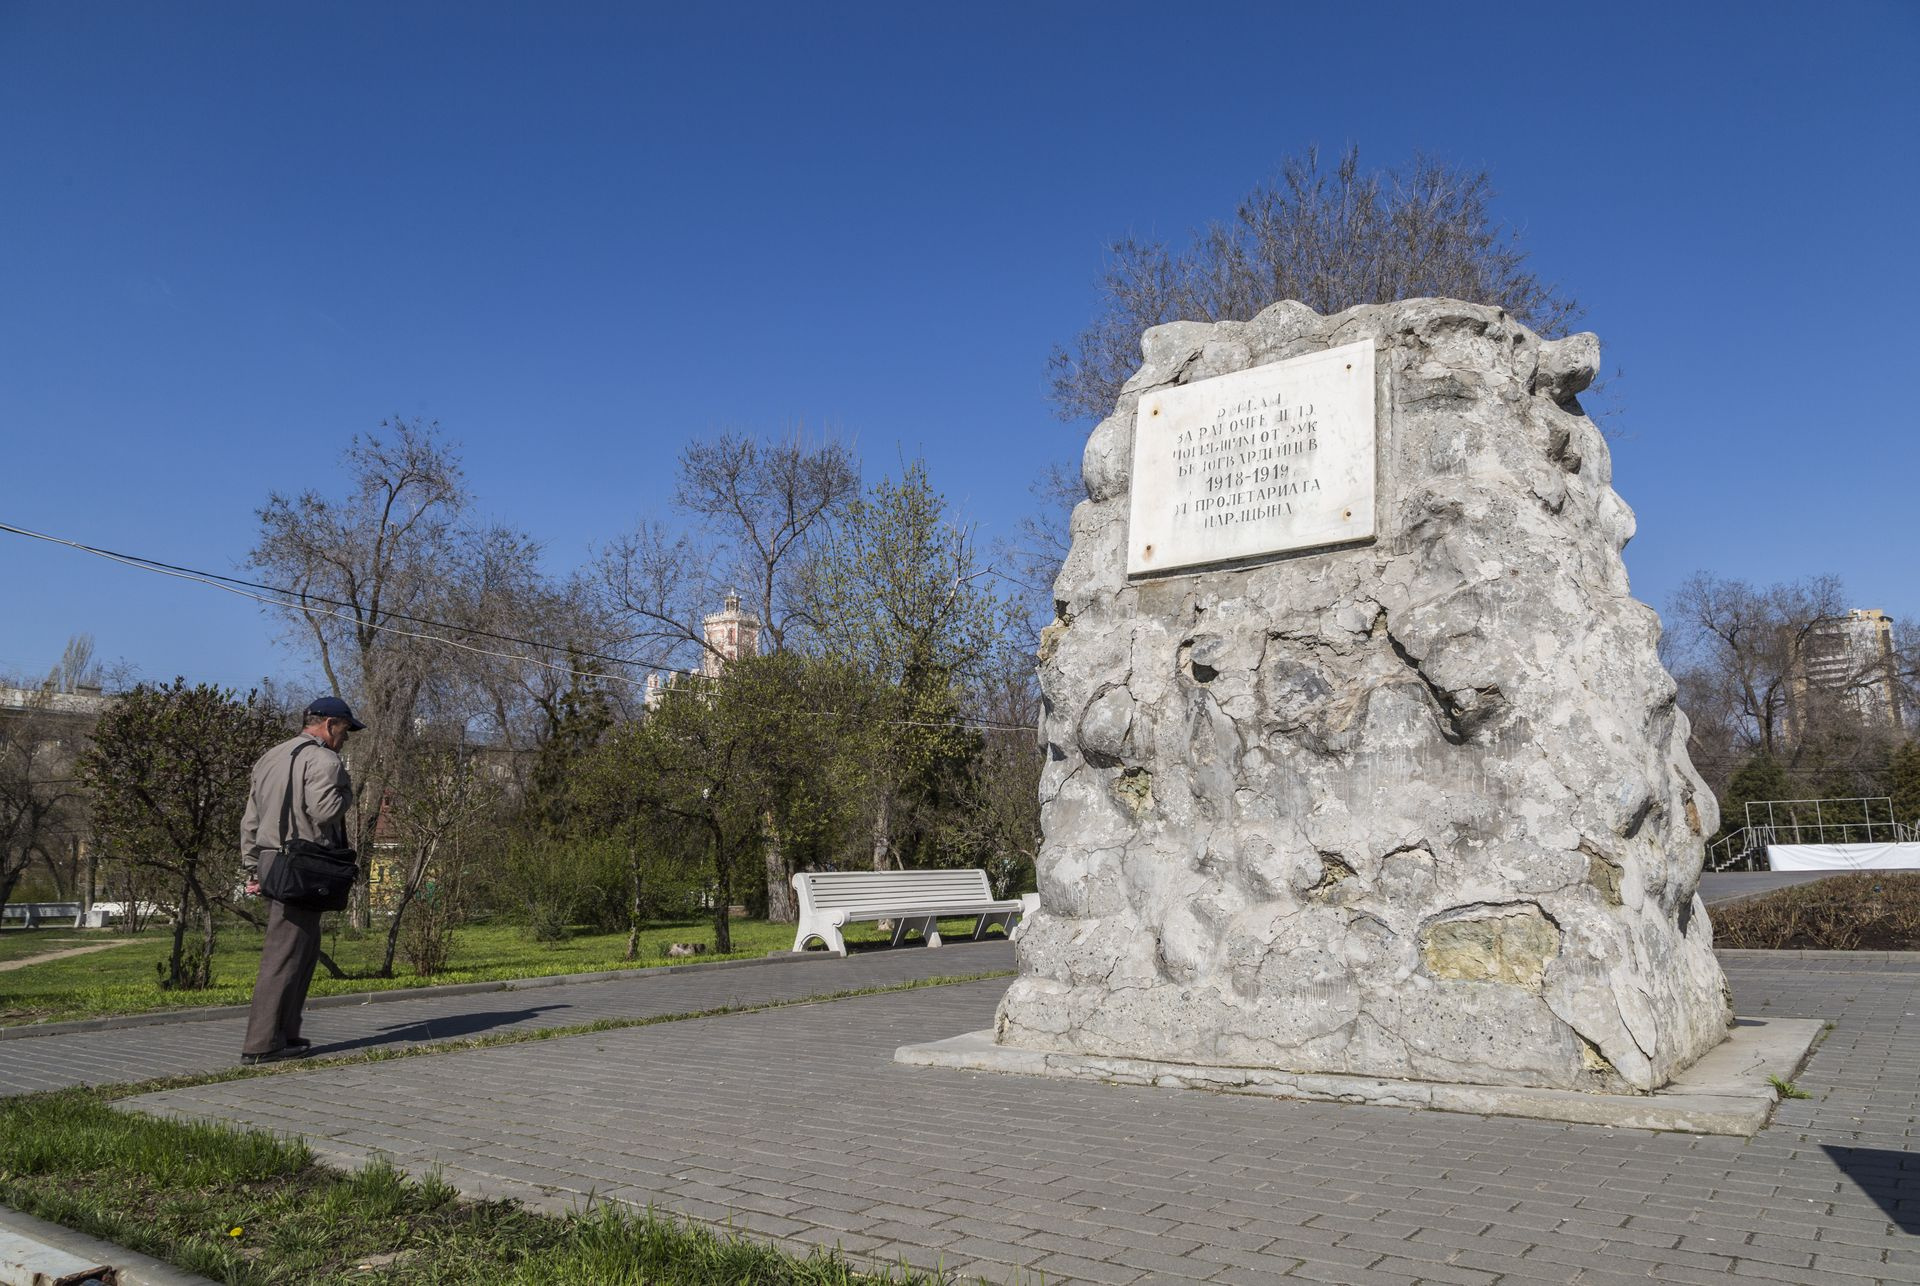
x: 731, y: 634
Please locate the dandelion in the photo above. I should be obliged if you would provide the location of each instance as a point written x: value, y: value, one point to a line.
x: 236, y: 1231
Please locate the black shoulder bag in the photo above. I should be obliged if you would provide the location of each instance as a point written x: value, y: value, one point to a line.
x: 306, y: 873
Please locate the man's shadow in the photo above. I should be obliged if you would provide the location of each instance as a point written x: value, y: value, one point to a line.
x: 1890, y: 1178
x: 449, y: 1027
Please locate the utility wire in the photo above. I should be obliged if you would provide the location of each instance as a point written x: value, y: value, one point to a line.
x: 306, y: 596
x: 303, y: 602
x: 232, y: 585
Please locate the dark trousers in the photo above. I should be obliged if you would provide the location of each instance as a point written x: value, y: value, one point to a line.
x: 286, y: 967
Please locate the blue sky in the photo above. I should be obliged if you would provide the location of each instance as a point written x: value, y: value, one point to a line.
x: 578, y: 235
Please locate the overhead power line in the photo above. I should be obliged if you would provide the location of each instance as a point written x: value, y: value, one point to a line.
x: 311, y: 604
x: 301, y: 601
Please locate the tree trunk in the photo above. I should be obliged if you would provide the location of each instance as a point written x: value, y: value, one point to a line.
x: 62, y: 880
x: 883, y: 833
x: 723, y: 896
x: 634, y: 905
x: 203, y: 977
x: 393, y: 933
x: 179, y: 938
x: 780, y: 907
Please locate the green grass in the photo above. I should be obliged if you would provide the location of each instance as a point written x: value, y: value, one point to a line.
x: 1787, y: 1089
x: 248, y: 1208
x: 125, y: 980
x: 17, y: 943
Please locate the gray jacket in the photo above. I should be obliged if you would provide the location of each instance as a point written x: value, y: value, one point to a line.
x: 322, y: 794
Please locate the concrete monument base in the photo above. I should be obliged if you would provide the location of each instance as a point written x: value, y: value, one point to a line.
x: 1726, y: 1092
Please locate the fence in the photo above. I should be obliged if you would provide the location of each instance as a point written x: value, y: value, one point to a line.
x: 1868, y: 820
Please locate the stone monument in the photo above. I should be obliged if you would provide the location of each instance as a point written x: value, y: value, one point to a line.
x: 1360, y: 757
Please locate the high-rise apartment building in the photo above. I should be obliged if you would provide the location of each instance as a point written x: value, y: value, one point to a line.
x: 1848, y: 660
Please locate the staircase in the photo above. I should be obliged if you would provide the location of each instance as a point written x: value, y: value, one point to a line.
x: 1744, y: 850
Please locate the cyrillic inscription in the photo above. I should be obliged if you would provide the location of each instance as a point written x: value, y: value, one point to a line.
x: 1273, y: 459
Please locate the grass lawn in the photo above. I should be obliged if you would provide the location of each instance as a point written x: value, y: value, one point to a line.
x: 17, y: 943
x: 126, y: 980
x: 253, y: 1209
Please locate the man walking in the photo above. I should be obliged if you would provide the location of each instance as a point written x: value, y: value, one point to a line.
x: 300, y: 788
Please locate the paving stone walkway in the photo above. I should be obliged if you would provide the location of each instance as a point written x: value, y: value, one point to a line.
x: 185, y: 1047
x: 1731, y: 886
x: 795, y: 1124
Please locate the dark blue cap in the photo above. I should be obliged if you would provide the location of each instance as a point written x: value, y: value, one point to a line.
x: 333, y: 708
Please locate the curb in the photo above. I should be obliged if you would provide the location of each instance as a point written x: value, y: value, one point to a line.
x: 1790, y: 953
x: 1730, y: 1090
x: 133, y: 1268
x: 158, y: 1017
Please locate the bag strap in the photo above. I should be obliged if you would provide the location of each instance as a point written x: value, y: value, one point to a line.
x: 286, y: 803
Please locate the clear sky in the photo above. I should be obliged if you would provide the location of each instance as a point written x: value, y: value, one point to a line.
x: 234, y: 234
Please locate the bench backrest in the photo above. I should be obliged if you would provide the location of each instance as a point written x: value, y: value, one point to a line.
x: 858, y: 890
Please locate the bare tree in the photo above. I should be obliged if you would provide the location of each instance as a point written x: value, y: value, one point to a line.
x: 1736, y: 646
x: 77, y: 668
x: 654, y: 584
x: 761, y: 506
x: 1329, y: 240
x: 767, y: 501
x: 364, y: 570
x: 1777, y: 692
x: 396, y: 595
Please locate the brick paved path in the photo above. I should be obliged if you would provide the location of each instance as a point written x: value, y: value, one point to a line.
x: 188, y: 1047
x: 1728, y: 886
x: 795, y: 1124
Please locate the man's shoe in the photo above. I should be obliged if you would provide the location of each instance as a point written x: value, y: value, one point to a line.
x: 300, y: 1050
x: 301, y: 1044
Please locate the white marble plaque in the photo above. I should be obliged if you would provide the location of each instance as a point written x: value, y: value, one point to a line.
x: 1277, y: 458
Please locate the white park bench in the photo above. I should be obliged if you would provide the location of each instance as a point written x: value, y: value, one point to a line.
x: 913, y: 900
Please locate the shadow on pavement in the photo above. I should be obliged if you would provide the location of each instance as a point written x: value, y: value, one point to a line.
x: 1890, y: 1178
x: 450, y: 1027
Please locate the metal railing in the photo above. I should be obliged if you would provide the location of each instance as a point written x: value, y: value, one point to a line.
x: 1808, y: 821
x: 1740, y: 851
x: 1867, y: 820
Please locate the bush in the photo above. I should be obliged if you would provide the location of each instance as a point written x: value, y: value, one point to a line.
x: 426, y: 936
x: 549, y: 921
x: 1867, y: 911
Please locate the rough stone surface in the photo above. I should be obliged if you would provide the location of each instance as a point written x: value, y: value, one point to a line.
x: 1420, y: 808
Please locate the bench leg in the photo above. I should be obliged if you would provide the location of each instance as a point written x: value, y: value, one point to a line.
x: 827, y: 934
x: 1002, y: 918
x: 927, y: 926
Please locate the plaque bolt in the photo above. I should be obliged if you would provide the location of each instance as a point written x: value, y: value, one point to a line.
x: 1347, y: 514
